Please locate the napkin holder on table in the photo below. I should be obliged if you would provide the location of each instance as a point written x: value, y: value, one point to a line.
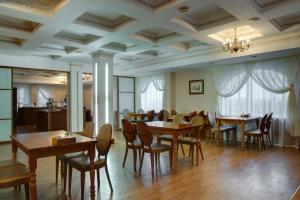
x: 59, y: 140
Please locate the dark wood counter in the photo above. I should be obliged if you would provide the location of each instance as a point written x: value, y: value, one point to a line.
x: 27, y: 115
x: 51, y: 119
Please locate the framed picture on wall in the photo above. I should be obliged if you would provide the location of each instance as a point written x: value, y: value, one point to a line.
x: 196, y: 86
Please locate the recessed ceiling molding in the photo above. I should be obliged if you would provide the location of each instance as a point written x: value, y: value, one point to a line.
x: 111, y: 22
x: 12, y: 40
x: 18, y: 24
x: 151, y: 53
x: 58, y: 48
x: 155, y: 34
x: 268, y: 4
x: 76, y: 37
x: 204, y: 18
x: 286, y: 22
x: 158, y: 5
x: 42, y: 7
x: 118, y: 47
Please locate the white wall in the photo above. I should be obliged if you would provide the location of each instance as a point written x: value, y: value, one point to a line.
x: 183, y: 100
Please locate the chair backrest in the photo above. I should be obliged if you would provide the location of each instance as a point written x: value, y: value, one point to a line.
x: 125, y: 113
x: 192, y: 114
x: 88, y: 130
x: 173, y: 112
x: 104, y: 139
x: 160, y: 115
x: 211, y: 119
x: 150, y: 115
x: 141, y: 111
x: 178, y: 119
x: 201, y: 113
x: 262, y: 125
x: 269, y: 121
x: 197, y: 120
x: 144, y: 133
x: 129, y: 130
x: 165, y: 115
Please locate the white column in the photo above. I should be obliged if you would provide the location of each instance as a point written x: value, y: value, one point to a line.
x: 103, y: 89
x: 75, y: 99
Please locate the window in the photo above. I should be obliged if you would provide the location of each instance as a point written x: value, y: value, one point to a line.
x: 152, y: 98
x: 254, y: 99
x: 23, y: 95
x: 43, y: 95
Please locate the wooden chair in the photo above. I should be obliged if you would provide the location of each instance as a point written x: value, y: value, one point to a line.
x: 258, y: 134
x: 82, y: 163
x: 201, y: 113
x: 173, y: 112
x: 130, y: 134
x: 192, y: 114
x: 141, y: 111
x: 169, y: 138
x: 268, y: 128
x: 150, y: 115
x: 194, y: 139
x: 14, y: 173
x: 213, y: 129
x: 88, y: 132
x: 154, y: 149
x: 160, y: 115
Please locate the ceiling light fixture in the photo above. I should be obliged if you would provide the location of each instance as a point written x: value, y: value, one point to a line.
x: 238, y: 44
x: 183, y: 9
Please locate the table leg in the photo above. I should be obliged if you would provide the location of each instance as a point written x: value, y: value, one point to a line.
x: 218, y: 132
x: 243, y: 134
x: 32, y: 177
x: 91, y: 153
x: 175, y: 151
x: 14, y: 150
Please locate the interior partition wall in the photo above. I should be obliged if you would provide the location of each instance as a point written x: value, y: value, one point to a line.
x: 5, y: 103
x: 125, y: 96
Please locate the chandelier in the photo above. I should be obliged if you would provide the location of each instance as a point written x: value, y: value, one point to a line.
x: 236, y: 45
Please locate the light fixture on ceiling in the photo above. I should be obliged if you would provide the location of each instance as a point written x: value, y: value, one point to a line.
x: 183, y: 9
x: 236, y: 45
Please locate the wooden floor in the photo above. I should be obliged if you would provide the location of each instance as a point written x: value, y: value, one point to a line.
x: 226, y: 173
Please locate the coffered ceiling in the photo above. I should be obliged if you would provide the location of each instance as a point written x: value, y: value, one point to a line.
x: 146, y: 35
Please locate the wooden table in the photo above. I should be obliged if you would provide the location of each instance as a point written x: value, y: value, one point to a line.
x: 137, y: 116
x: 39, y: 145
x: 242, y: 121
x: 169, y: 128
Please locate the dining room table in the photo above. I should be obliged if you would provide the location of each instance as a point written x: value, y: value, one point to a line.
x: 176, y: 130
x: 237, y: 120
x: 40, y: 144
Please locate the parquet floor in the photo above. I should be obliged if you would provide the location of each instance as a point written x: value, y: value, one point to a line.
x: 227, y: 173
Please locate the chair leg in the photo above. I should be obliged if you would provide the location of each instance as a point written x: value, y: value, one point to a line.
x: 155, y: 158
x: 70, y: 179
x: 171, y: 158
x: 141, y: 164
x: 61, y: 169
x: 192, y: 153
x: 200, y: 149
x: 56, y: 168
x: 26, y: 188
x: 125, y: 156
x: 134, y: 158
x: 82, y: 184
x: 140, y: 155
x: 263, y: 141
x: 182, y: 149
x: 152, y: 164
x: 98, y: 178
x: 269, y: 139
x: 65, y: 174
x: 108, y: 178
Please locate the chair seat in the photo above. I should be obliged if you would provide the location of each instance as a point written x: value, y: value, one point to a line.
x: 254, y: 132
x: 166, y: 138
x: 69, y: 156
x: 224, y: 128
x: 13, y: 173
x: 83, y: 163
x: 187, y: 140
x: 156, y: 147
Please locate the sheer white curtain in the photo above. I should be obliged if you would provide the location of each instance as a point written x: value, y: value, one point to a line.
x: 151, y: 92
x: 23, y: 94
x: 44, y: 93
x: 270, y: 88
